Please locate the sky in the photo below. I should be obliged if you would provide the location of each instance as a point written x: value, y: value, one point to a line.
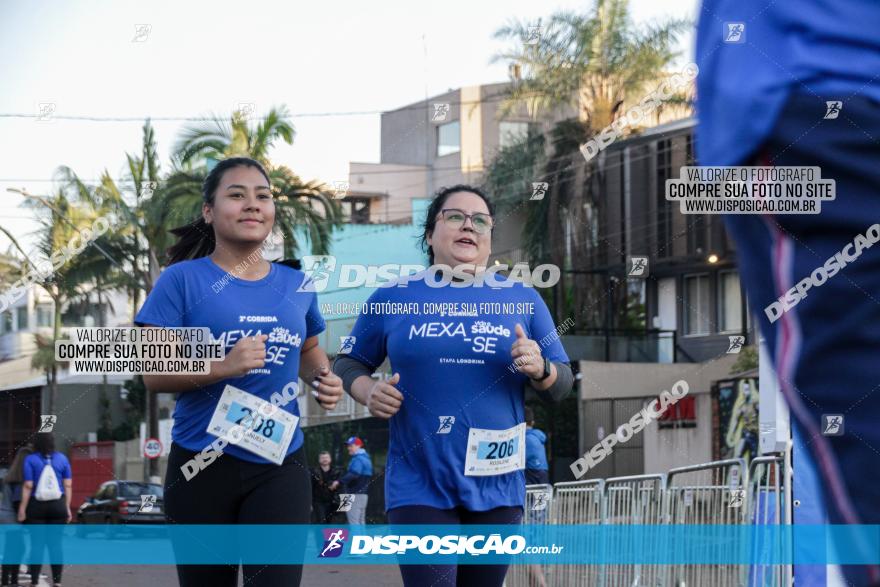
x: 335, y: 65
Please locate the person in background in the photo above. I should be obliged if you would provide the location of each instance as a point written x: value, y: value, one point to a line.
x: 13, y: 547
x: 536, y: 474
x: 357, y: 480
x: 536, y: 454
x: 37, y: 507
x: 325, y: 485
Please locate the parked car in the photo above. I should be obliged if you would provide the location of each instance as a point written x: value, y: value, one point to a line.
x: 124, y: 502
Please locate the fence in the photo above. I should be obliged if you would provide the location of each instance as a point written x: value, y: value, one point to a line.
x: 724, y: 492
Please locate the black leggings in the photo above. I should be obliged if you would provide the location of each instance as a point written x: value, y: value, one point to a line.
x: 39, y: 513
x: 13, y: 550
x: 453, y: 575
x: 234, y: 491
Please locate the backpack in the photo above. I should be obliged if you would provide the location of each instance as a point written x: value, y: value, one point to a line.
x: 47, y: 487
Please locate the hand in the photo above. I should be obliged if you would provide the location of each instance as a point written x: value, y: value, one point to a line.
x: 248, y: 353
x: 21, y: 515
x: 328, y: 388
x: 384, y: 400
x: 526, y: 355
x: 334, y: 485
x: 69, y: 515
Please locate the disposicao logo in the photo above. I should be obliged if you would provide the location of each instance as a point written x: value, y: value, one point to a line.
x: 334, y: 540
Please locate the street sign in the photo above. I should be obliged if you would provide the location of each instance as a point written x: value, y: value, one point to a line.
x: 152, y: 448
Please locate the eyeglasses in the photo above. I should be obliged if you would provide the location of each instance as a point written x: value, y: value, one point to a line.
x: 456, y: 218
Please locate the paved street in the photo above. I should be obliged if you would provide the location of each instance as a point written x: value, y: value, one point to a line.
x: 165, y: 576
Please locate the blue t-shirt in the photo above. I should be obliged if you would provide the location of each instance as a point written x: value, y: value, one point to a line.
x: 198, y: 293
x: 34, y: 464
x: 451, y: 365
x: 827, y: 49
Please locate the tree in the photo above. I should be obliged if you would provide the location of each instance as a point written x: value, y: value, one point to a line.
x: 136, y: 245
x: 298, y: 204
x: 746, y: 360
x: 595, y: 62
x: 60, y: 220
x: 590, y: 65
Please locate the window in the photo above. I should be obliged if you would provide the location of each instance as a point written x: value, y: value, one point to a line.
x: 729, y: 302
x: 696, y: 304
x: 356, y: 210
x: 21, y: 318
x: 130, y: 490
x: 511, y: 133
x: 6, y: 322
x: 83, y: 315
x: 591, y: 221
x: 697, y: 229
x: 664, y: 208
x: 681, y: 414
x: 448, y: 138
x: 44, y: 315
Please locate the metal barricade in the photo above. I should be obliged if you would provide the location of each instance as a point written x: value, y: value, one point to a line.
x: 633, y: 501
x: 770, y: 504
x: 539, y: 510
x: 578, y: 502
x: 717, y: 493
x: 711, y: 493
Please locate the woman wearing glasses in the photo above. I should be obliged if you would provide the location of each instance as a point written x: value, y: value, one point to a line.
x: 456, y: 399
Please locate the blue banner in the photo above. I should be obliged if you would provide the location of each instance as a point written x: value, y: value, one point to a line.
x: 435, y: 544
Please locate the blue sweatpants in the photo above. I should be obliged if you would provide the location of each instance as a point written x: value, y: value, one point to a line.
x: 826, y: 348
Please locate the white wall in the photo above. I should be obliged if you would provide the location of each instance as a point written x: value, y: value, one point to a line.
x: 677, y: 447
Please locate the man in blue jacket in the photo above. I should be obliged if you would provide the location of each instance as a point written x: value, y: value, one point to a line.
x: 536, y: 454
x: 357, y: 480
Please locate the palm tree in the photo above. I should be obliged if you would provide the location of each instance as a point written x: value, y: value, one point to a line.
x: 141, y: 237
x: 60, y: 218
x: 593, y: 64
x: 138, y: 244
x: 299, y: 204
x: 219, y: 139
x: 596, y: 62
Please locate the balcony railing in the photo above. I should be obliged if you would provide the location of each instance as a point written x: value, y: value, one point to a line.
x: 622, y: 346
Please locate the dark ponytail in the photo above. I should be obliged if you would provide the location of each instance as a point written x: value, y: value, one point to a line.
x: 196, y: 239
x: 44, y: 443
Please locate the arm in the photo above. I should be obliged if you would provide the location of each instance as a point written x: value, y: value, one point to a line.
x: 347, y: 478
x: 352, y: 474
x: 68, y: 495
x: 545, y: 384
x: 248, y: 353
x: 337, y: 475
x: 381, y: 397
x: 526, y: 355
x: 314, y: 367
x: 561, y: 385
x: 26, y: 490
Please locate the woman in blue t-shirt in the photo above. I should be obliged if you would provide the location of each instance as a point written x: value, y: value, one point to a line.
x: 266, y: 317
x: 38, y: 508
x: 462, y: 356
